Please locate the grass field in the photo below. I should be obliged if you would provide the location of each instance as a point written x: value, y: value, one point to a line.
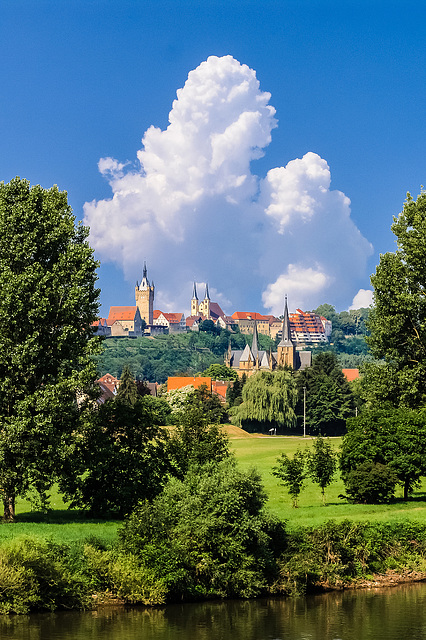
x: 251, y: 451
x: 262, y: 451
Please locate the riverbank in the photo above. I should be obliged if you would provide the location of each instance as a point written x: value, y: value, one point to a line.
x: 38, y: 574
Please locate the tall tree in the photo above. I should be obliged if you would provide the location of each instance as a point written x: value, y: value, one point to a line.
x: 127, y: 391
x: 269, y: 397
x: 329, y: 399
x: 322, y: 463
x: 47, y: 304
x: 398, y: 320
x: 388, y: 436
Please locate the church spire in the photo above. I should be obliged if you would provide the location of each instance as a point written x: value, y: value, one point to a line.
x: 254, y: 344
x: 286, y: 340
x: 194, y: 292
x: 206, y: 295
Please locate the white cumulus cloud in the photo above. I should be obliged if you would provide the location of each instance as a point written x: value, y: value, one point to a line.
x: 192, y: 207
x: 363, y: 299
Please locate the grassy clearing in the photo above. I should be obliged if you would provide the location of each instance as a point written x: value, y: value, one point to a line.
x: 252, y: 450
x: 262, y: 451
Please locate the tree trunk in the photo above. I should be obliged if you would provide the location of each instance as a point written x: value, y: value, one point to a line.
x: 406, y: 489
x: 9, y: 508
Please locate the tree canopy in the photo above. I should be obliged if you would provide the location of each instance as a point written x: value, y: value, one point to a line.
x: 389, y: 436
x: 398, y: 320
x: 329, y: 399
x: 269, y: 398
x: 48, y: 302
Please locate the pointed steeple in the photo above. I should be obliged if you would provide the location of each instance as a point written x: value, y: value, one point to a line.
x: 254, y: 344
x: 194, y: 292
x: 286, y: 340
x: 206, y: 295
x: 145, y: 281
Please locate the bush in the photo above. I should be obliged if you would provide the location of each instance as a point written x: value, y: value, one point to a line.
x: 371, y: 483
x: 206, y: 536
x: 35, y: 574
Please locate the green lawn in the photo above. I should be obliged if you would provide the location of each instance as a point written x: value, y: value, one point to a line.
x: 262, y: 453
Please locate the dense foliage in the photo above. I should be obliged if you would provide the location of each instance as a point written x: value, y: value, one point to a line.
x: 398, y: 320
x: 393, y: 437
x: 329, y: 399
x: 371, y: 483
x: 268, y: 400
x: 155, y: 359
x: 206, y: 536
x: 47, y: 304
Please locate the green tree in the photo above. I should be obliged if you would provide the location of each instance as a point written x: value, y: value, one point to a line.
x: 127, y: 391
x: 234, y: 391
x: 120, y: 458
x: 371, y: 483
x: 269, y: 397
x: 47, y: 304
x: 292, y: 473
x: 220, y: 372
x: 207, y: 535
x: 398, y: 319
x: 329, y: 399
x: 195, y: 440
x: 322, y: 463
x: 389, y: 436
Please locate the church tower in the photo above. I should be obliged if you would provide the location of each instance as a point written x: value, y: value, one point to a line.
x: 204, y: 306
x: 194, y: 302
x: 144, y: 296
x: 286, y: 349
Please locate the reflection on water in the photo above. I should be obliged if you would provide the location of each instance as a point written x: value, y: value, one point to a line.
x: 398, y: 613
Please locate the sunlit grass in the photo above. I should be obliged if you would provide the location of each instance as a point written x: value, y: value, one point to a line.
x: 262, y: 453
x: 67, y: 526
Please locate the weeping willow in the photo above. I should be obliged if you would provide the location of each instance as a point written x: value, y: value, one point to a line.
x: 268, y: 397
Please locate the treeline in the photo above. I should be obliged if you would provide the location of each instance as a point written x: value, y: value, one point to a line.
x: 155, y: 359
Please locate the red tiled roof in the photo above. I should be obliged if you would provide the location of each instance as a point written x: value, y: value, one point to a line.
x: 191, y: 319
x: 100, y: 322
x: 350, y: 374
x: 156, y: 313
x: 173, y: 318
x: 178, y: 382
x: 252, y: 315
x: 215, y: 310
x: 121, y: 313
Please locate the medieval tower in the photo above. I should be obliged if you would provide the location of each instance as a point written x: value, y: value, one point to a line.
x: 194, y: 302
x: 144, y: 296
x: 286, y: 348
x: 204, y: 306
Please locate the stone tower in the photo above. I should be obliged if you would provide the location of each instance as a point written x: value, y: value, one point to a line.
x: 204, y: 306
x: 286, y: 348
x: 194, y: 302
x: 144, y: 296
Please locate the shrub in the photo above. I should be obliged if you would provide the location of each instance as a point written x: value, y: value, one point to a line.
x: 371, y: 483
x: 34, y: 574
x: 206, y: 536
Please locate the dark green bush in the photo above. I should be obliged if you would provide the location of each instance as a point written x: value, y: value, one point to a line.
x: 371, y: 483
x: 206, y: 536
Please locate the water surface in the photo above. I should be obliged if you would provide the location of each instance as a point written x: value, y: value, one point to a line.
x: 397, y: 613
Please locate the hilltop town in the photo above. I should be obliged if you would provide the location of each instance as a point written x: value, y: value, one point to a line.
x: 304, y: 327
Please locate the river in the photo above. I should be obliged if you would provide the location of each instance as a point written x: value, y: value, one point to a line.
x: 397, y: 613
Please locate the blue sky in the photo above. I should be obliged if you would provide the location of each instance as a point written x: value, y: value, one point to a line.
x: 86, y: 80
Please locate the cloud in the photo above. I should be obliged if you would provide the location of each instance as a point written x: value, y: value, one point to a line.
x: 300, y: 284
x: 192, y: 207
x: 363, y: 299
